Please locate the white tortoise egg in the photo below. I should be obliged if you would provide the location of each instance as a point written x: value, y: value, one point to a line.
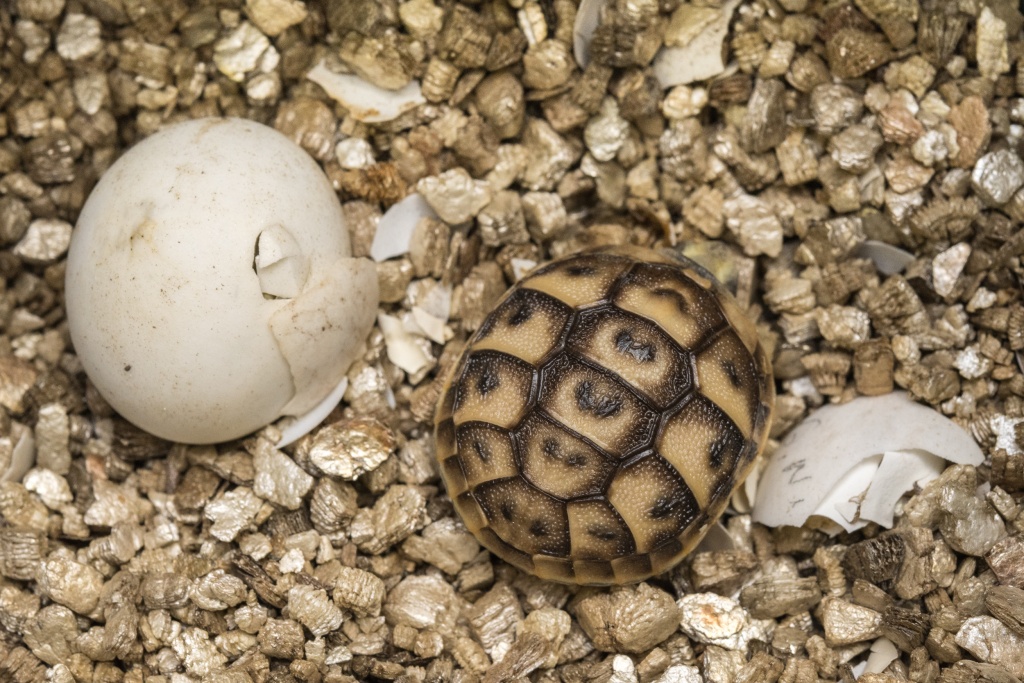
x: 210, y: 286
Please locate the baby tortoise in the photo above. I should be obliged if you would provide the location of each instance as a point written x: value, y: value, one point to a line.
x: 599, y: 420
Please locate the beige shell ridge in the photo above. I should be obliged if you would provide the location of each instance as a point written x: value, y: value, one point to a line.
x: 601, y: 417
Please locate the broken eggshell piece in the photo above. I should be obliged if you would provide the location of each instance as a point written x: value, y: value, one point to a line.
x: 883, y: 653
x: 210, y: 288
x: 365, y: 101
x: 17, y: 452
x: 694, y: 40
x: 694, y: 44
x: 847, y: 465
x: 888, y: 259
x: 396, y: 227
x: 588, y: 18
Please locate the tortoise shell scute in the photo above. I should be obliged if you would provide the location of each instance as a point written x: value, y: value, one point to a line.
x: 601, y: 417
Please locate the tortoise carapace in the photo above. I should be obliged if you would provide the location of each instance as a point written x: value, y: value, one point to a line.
x: 600, y: 418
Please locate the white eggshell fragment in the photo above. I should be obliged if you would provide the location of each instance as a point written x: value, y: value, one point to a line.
x: 694, y: 46
x: 396, y: 227
x: 17, y: 452
x: 365, y: 101
x: 210, y: 286
x: 401, y: 345
x: 883, y: 653
x: 887, y: 258
x: 852, y: 462
x: 588, y: 18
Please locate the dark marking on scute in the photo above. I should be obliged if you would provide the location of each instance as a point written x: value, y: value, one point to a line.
x: 482, y: 450
x: 676, y: 297
x: 580, y: 270
x: 507, y: 510
x: 553, y: 449
x: 731, y: 372
x: 521, y: 314
x: 603, y: 406
x: 664, y: 507
x: 603, y: 533
x: 539, y: 528
x: 642, y: 353
x: 488, y: 381
x: 715, y: 452
x: 576, y: 460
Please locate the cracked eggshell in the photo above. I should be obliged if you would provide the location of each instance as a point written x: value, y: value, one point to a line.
x: 851, y: 463
x: 693, y: 52
x: 210, y: 287
x: 365, y: 101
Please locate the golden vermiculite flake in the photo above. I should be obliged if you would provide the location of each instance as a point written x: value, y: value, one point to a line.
x: 600, y: 418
